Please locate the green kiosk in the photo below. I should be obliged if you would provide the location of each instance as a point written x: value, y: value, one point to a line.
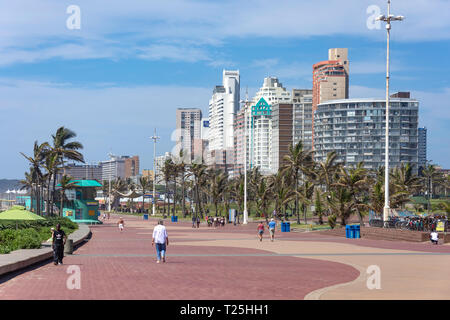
x: 80, y: 204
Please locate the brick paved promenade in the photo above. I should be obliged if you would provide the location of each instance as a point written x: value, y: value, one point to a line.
x: 230, y: 263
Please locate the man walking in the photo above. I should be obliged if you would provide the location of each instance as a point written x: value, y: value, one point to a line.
x: 161, y: 240
x: 272, y: 226
x: 260, y: 230
x: 58, y: 242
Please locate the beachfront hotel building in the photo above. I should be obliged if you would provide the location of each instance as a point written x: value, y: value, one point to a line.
x: 188, y: 132
x: 330, y: 79
x: 355, y: 129
x: 302, y: 117
x: 223, y: 106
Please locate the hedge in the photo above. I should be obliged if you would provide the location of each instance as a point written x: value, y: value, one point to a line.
x: 30, y: 234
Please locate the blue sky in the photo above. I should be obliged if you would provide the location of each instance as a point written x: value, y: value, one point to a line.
x: 131, y: 64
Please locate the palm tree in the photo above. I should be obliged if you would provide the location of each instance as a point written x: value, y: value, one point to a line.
x: 263, y: 194
x: 65, y: 184
x: 28, y: 184
x: 319, y: 204
x: 64, y: 149
x: 306, y: 193
x: 327, y: 170
x: 198, y: 171
x: 118, y: 186
x: 167, y: 173
x: 355, y: 180
x: 283, y: 194
x: 39, y: 153
x: 297, y: 160
x: 51, y: 166
x: 218, y: 181
x: 429, y: 174
x: 146, y: 184
x: 182, y: 172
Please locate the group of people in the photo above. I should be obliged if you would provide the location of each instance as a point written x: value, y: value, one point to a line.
x: 271, y: 226
x: 216, y: 221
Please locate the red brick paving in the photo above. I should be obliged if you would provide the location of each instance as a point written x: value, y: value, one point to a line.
x: 182, y: 277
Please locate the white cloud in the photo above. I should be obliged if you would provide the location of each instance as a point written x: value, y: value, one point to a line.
x: 28, y: 25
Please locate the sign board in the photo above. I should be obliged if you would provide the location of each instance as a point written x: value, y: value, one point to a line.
x: 92, y: 203
x: 440, y: 226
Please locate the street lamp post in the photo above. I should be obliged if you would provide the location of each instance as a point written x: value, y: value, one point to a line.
x: 155, y: 138
x: 245, y: 162
x: 390, y: 17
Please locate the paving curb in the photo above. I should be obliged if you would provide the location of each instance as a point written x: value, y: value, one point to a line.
x: 23, y: 258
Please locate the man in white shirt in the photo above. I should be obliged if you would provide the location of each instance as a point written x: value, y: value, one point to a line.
x: 161, y: 240
x: 434, y: 237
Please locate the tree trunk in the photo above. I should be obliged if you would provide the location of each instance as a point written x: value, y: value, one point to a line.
x: 183, y: 200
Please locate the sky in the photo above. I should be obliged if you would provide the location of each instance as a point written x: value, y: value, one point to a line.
x: 113, y: 71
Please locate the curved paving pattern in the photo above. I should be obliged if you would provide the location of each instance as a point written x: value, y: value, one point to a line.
x: 118, y: 265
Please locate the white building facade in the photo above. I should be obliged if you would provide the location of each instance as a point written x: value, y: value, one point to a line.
x: 223, y: 107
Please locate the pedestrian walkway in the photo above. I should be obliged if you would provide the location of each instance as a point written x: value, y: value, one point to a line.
x: 231, y: 263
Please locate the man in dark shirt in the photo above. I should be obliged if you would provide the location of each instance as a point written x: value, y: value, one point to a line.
x: 59, y: 240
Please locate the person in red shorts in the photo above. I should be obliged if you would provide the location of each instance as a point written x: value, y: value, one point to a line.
x: 260, y: 231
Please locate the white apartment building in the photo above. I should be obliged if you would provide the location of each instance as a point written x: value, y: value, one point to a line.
x: 159, y: 164
x: 188, y: 130
x: 113, y: 168
x: 260, y: 115
x: 223, y: 106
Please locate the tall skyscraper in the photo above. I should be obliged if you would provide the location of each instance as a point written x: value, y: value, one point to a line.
x: 422, y: 153
x: 223, y: 106
x: 355, y: 129
x: 331, y: 78
x: 120, y: 167
x: 260, y: 143
x: 188, y: 130
x: 282, y: 134
x: 302, y: 117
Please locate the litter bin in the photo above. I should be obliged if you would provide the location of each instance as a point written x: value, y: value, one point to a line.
x: 68, y: 247
x: 356, y: 231
x: 283, y: 227
x: 287, y: 227
x: 348, y: 232
x: 145, y: 216
x: 174, y: 218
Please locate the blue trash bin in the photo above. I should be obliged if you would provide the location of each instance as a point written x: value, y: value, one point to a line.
x: 348, y: 233
x: 283, y: 227
x: 287, y: 227
x: 357, y: 231
x: 145, y: 216
x: 175, y: 219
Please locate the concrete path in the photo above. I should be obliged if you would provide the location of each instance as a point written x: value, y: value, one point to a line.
x: 230, y: 263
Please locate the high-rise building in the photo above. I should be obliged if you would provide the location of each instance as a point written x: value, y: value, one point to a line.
x: 120, y: 167
x: 188, y: 130
x: 240, y: 142
x: 302, y: 117
x: 260, y: 123
x: 113, y: 168
x: 223, y: 106
x: 84, y: 171
x: 331, y: 78
x: 422, y: 153
x: 159, y: 164
x: 131, y: 166
x: 355, y: 129
x: 282, y: 134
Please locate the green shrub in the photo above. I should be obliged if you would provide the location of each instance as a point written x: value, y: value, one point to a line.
x: 27, y: 239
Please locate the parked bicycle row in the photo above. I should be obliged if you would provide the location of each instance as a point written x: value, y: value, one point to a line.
x: 413, y: 223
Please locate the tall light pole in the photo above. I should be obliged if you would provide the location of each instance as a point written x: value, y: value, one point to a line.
x: 245, y: 160
x: 390, y: 17
x: 155, y: 139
